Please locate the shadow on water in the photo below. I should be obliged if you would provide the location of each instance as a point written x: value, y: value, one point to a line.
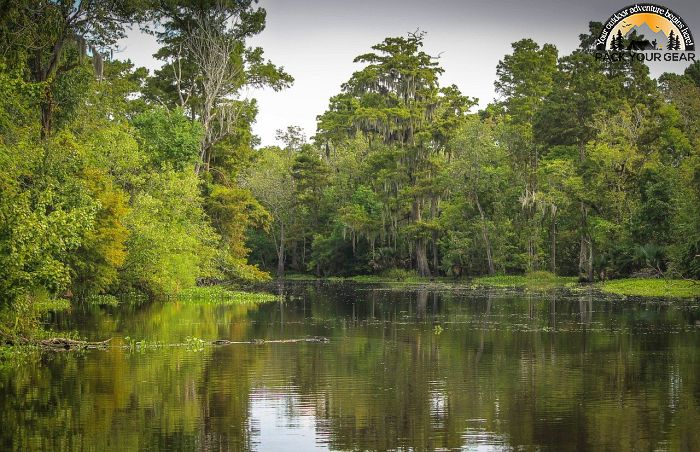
x: 413, y: 368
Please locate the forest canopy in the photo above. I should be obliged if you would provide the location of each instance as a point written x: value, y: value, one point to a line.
x: 116, y: 180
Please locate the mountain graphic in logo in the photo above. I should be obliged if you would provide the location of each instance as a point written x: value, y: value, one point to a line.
x: 644, y: 31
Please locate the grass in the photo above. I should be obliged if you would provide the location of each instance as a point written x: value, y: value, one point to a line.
x: 222, y: 295
x: 652, y: 287
x: 535, y: 280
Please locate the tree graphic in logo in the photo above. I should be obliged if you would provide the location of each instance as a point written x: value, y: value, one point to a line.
x: 674, y: 42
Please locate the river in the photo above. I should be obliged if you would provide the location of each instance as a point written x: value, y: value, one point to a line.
x: 405, y: 368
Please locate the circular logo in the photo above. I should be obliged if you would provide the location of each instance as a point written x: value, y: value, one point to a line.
x: 645, y: 26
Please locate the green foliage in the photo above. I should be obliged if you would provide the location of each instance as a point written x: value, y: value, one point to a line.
x: 21, y: 320
x: 96, y: 262
x: 232, y: 211
x: 46, y: 211
x: 102, y: 300
x: 170, y: 243
x: 168, y: 137
x: 398, y: 274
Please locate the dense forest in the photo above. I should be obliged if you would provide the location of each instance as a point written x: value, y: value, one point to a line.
x: 581, y: 167
x: 114, y: 180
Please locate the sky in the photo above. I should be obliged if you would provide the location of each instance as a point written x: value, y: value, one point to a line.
x: 316, y: 41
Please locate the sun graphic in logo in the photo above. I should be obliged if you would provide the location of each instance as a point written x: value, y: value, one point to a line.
x: 657, y: 31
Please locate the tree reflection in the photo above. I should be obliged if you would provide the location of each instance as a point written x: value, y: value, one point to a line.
x: 552, y: 371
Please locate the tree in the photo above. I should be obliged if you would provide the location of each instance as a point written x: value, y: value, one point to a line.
x: 52, y: 38
x: 208, y: 66
x: 168, y: 138
x: 171, y: 243
x: 271, y: 182
x: 524, y: 79
x: 394, y: 100
x: 671, y: 44
x: 478, y: 173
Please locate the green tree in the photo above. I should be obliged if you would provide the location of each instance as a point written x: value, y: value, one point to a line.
x: 393, y: 100
x: 524, y: 79
x: 271, y: 182
x: 51, y: 39
x: 170, y: 243
x: 208, y: 65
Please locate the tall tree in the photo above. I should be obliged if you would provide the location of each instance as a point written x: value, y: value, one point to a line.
x: 52, y: 37
x: 208, y: 65
x: 524, y: 79
x: 395, y: 99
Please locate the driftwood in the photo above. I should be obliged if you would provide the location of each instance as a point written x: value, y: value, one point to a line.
x: 61, y: 343
x: 64, y: 344
x: 315, y: 339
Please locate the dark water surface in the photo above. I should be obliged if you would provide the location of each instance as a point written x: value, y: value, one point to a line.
x: 405, y: 369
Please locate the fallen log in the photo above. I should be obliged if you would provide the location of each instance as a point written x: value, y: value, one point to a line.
x: 314, y: 339
x: 62, y: 343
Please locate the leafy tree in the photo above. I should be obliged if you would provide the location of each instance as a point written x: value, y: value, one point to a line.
x: 168, y: 138
x: 524, y: 79
x: 271, y: 182
x: 170, y: 243
x: 392, y: 100
x: 207, y: 65
x: 51, y: 39
x: 479, y: 173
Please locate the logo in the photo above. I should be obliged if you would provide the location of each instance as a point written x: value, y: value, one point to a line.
x: 647, y: 32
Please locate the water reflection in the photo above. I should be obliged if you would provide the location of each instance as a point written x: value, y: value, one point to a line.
x: 556, y: 371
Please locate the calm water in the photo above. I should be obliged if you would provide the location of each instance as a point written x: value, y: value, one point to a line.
x: 411, y: 369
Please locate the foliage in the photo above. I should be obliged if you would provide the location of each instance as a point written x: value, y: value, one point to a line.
x: 539, y: 280
x: 171, y: 243
x: 114, y: 180
x: 168, y: 138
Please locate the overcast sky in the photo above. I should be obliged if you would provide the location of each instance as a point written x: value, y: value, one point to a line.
x: 316, y: 41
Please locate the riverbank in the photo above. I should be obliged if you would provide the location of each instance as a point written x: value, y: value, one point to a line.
x: 638, y: 287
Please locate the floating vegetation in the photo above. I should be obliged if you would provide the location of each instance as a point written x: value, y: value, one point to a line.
x: 195, y: 344
x: 47, y: 304
x: 141, y: 345
x: 533, y: 281
x: 652, y: 287
x: 223, y: 295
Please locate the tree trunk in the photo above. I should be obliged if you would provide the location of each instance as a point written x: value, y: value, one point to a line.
x: 553, y: 234
x: 46, y: 115
x: 485, y: 236
x: 421, y: 245
x: 585, y: 257
x: 280, y: 254
x: 433, y: 214
x: 422, y: 258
